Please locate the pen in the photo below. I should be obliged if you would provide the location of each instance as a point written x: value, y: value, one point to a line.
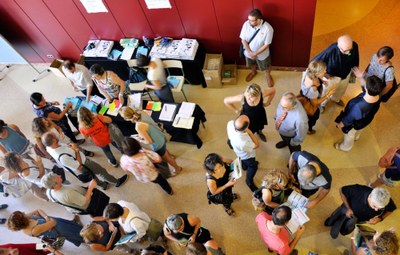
x: 178, y: 120
x: 165, y: 107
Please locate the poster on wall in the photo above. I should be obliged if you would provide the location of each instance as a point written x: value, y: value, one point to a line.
x: 94, y: 6
x: 158, y: 4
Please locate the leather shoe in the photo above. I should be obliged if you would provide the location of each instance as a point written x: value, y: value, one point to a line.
x: 281, y: 144
x: 311, y: 132
x: 340, y: 103
x: 250, y: 76
x: 262, y: 136
x: 122, y: 180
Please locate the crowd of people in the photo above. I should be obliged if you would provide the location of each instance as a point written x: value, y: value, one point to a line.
x: 46, y: 166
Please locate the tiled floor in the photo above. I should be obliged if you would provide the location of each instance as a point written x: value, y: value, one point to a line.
x: 239, y: 235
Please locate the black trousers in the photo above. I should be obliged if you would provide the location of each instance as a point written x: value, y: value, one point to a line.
x: 163, y: 183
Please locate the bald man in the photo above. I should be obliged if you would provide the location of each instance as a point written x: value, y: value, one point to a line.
x: 291, y: 122
x: 244, y: 144
x: 340, y: 58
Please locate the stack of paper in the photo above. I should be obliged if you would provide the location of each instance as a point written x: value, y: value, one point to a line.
x: 168, y: 112
x: 186, y: 123
x: 127, y: 53
x: 96, y: 99
x: 188, y: 48
x: 135, y: 100
x: 114, y: 108
x: 186, y: 110
x: 90, y: 48
x: 104, y: 48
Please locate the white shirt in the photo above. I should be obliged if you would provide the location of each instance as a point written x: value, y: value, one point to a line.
x: 241, y: 142
x: 69, y: 195
x: 136, y: 220
x: 65, y: 160
x: 157, y: 73
x: 80, y: 78
x: 263, y: 37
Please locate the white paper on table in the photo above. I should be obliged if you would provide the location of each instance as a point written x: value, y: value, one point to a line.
x: 96, y: 99
x: 299, y: 218
x: 168, y: 112
x: 186, y: 110
x: 127, y: 53
x: 135, y: 100
x: 186, y: 123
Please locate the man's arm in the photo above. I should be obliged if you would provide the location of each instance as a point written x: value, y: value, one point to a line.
x: 88, y: 195
x: 253, y: 138
x: 321, y: 195
x: 346, y: 203
x: 301, y: 131
x: 296, y: 239
x: 292, y: 167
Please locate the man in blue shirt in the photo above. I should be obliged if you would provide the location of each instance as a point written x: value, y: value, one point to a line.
x: 291, y: 122
x: 339, y: 58
x: 359, y: 111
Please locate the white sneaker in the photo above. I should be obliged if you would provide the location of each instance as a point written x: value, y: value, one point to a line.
x: 114, y: 165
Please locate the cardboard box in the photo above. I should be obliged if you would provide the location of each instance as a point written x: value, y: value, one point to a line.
x: 229, y: 74
x: 55, y: 67
x: 212, y: 70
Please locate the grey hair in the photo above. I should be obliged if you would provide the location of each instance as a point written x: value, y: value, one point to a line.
x: 49, y: 180
x: 306, y: 174
x: 380, y: 196
x: 291, y: 98
x: 48, y: 138
x: 174, y: 222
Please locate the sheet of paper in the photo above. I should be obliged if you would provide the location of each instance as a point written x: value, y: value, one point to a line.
x: 103, y: 110
x: 114, y: 108
x: 186, y: 110
x: 296, y: 200
x: 127, y: 53
x: 186, y: 123
x: 149, y: 105
x: 156, y: 106
x: 96, y: 99
x: 168, y: 112
x: 236, y: 167
x: 299, y: 218
x: 135, y: 100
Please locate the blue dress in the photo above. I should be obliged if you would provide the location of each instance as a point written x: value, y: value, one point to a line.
x: 69, y: 229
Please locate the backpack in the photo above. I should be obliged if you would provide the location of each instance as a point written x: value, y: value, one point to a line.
x: 137, y: 75
x: 257, y: 200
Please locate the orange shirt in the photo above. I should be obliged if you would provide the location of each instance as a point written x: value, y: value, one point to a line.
x: 99, y: 132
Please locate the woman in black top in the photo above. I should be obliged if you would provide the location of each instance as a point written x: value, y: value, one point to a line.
x: 101, y: 235
x: 183, y: 229
x: 219, y: 182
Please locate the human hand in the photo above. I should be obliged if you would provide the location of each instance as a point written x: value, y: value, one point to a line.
x: 300, y: 231
x: 68, y: 105
x: 357, y: 72
x: 349, y: 213
x: 62, y: 136
x: 92, y: 184
x: 38, y: 159
x: 231, y: 182
x: 331, y: 92
x: 73, y: 146
x: 374, y: 220
x: 192, y: 239
x: 110, y: 100
x: 111, y: 227
x: 311, y: 204
x: 340, y: 125
x: 57, y: 103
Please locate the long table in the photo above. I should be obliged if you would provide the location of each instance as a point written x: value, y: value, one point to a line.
x: 192, y: 68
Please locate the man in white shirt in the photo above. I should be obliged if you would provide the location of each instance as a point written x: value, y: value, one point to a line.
x: 244, y: 144
x: 80, y: 79
x: 257, y: 51
x: 74, y: 160
x: 132, y: 219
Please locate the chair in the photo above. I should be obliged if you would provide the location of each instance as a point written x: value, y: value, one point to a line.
x: 178, y: 79
x: 139, y: 87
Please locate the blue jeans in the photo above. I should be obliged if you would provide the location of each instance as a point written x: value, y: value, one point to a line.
x: 107, y: 150
x: 251, y: 166
x: 165, y: 94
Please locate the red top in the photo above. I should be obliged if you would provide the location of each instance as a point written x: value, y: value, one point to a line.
x: 25, y: 248
x: 99, y: 132
x: 277, y: 242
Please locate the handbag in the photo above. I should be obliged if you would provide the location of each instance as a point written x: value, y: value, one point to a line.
x: 55, y: 242
x: 395, y: 86
x: 241, y: 48
x: 309, y: 105
x: 257, y: 200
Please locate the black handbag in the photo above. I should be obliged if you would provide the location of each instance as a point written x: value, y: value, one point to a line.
x: 241, y: 48
x: 56, y: 242
x: 390, y: 93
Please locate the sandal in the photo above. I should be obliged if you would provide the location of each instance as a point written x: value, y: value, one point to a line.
x: 229, y: 211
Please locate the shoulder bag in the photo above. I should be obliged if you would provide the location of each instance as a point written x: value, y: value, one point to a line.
x: 241, y: 48
x: 395, y: 86
x: 309, y: 105
x: 86, y: 176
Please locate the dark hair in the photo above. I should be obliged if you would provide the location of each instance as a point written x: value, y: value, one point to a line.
x: 211, y: 161
x: 113, y: 211
x: 374, y: 85
x: 12, y: 161
x: 96, y: 69
x: 281, y: 215
x: 385, y: 51
x: 130, y: 146
x: 36, y: 97
x: 256, y: 13
x: 69, y: 64
x: 17, y: 221
x: 2, y: 125
x: 142, y: 60
x: 196, y: 249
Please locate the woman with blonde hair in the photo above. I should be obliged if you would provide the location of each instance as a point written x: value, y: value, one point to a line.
x: 101, y: 234
x: 149, y: 133
x: 312, y: 90
x: 95, y: 126
x: 271, y: 193
x: 253, y: 106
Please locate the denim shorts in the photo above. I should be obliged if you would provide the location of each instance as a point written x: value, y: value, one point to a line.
x: 162, y: 150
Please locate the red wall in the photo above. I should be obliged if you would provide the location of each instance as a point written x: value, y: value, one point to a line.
x: 38, y: 28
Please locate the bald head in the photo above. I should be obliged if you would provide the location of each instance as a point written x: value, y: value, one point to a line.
x: 345, y: 43
x: 241, y: 123
x: 288, y: 101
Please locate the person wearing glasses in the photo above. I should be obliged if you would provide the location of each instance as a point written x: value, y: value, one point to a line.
x: 310, y: 175
x: 256, y: 46
x: 340, y: 58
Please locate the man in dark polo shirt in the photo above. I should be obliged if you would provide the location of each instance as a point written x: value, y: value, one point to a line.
x: 362, y: 204
x: 310, y: 175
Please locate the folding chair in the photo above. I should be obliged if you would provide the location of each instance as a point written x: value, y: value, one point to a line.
x: 178, y: 81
